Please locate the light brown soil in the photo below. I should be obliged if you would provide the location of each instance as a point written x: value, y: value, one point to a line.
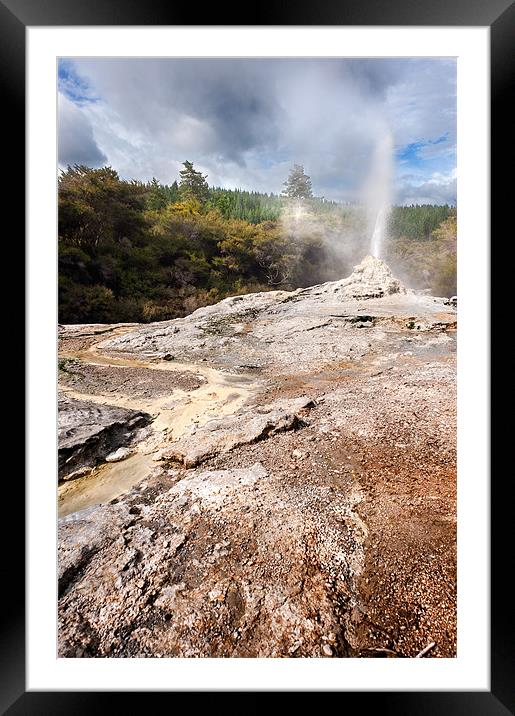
x: 129, y: 381
x: 79, y: 343
x: 408, y: 584
x: 407, y: 588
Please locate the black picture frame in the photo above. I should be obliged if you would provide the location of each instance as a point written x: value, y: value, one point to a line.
x: 499, y: 15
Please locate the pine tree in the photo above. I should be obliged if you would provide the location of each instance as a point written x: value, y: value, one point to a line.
x: 193, y: 184
x: 173, y: 192
x: 298, y: 184
x: 156, y: 198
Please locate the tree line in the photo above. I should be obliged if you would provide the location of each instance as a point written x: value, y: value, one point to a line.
x: 135, y: 251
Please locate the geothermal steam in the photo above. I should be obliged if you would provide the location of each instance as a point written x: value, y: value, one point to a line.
x: 378, y: 192
x: 345, y: 238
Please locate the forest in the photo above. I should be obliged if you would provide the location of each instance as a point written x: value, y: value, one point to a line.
x: 131, y: 251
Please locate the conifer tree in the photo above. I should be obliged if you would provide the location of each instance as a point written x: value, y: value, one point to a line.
x: 193, y: 184
x: 298, y: 184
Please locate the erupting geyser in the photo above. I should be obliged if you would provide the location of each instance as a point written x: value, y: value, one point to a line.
x: 379, y: 231
x: 378, y: 191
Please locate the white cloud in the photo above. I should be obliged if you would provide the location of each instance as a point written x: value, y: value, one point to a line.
x: 76, y: 141
x: 440, y: 188
x: 244, y: 122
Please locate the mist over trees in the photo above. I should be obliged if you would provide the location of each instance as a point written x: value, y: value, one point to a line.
x: 430, y: 261
x: 134, y: 251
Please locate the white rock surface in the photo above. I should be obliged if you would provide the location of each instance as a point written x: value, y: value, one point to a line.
x: 119, y: 454
x: 280, y: 330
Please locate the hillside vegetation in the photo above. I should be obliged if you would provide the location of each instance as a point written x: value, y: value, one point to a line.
x: 132, y: 251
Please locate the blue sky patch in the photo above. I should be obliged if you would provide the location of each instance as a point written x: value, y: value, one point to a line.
x: 72, y: 85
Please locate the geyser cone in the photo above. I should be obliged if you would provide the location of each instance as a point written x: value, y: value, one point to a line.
x: 371, y: 278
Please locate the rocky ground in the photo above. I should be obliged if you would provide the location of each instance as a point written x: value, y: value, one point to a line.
x: 272, y: 476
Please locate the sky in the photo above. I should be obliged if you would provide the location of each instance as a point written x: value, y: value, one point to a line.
x: 244, y: 122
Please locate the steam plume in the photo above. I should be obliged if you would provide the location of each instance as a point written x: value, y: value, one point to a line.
x: 378, y: 192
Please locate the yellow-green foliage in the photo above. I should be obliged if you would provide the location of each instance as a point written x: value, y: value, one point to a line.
x: 134, y: 252
x: 428, y: 264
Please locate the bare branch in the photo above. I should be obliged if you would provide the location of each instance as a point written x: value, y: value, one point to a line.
x: 425, y: 650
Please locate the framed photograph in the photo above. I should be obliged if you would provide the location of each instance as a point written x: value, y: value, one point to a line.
x: 258, y: 355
